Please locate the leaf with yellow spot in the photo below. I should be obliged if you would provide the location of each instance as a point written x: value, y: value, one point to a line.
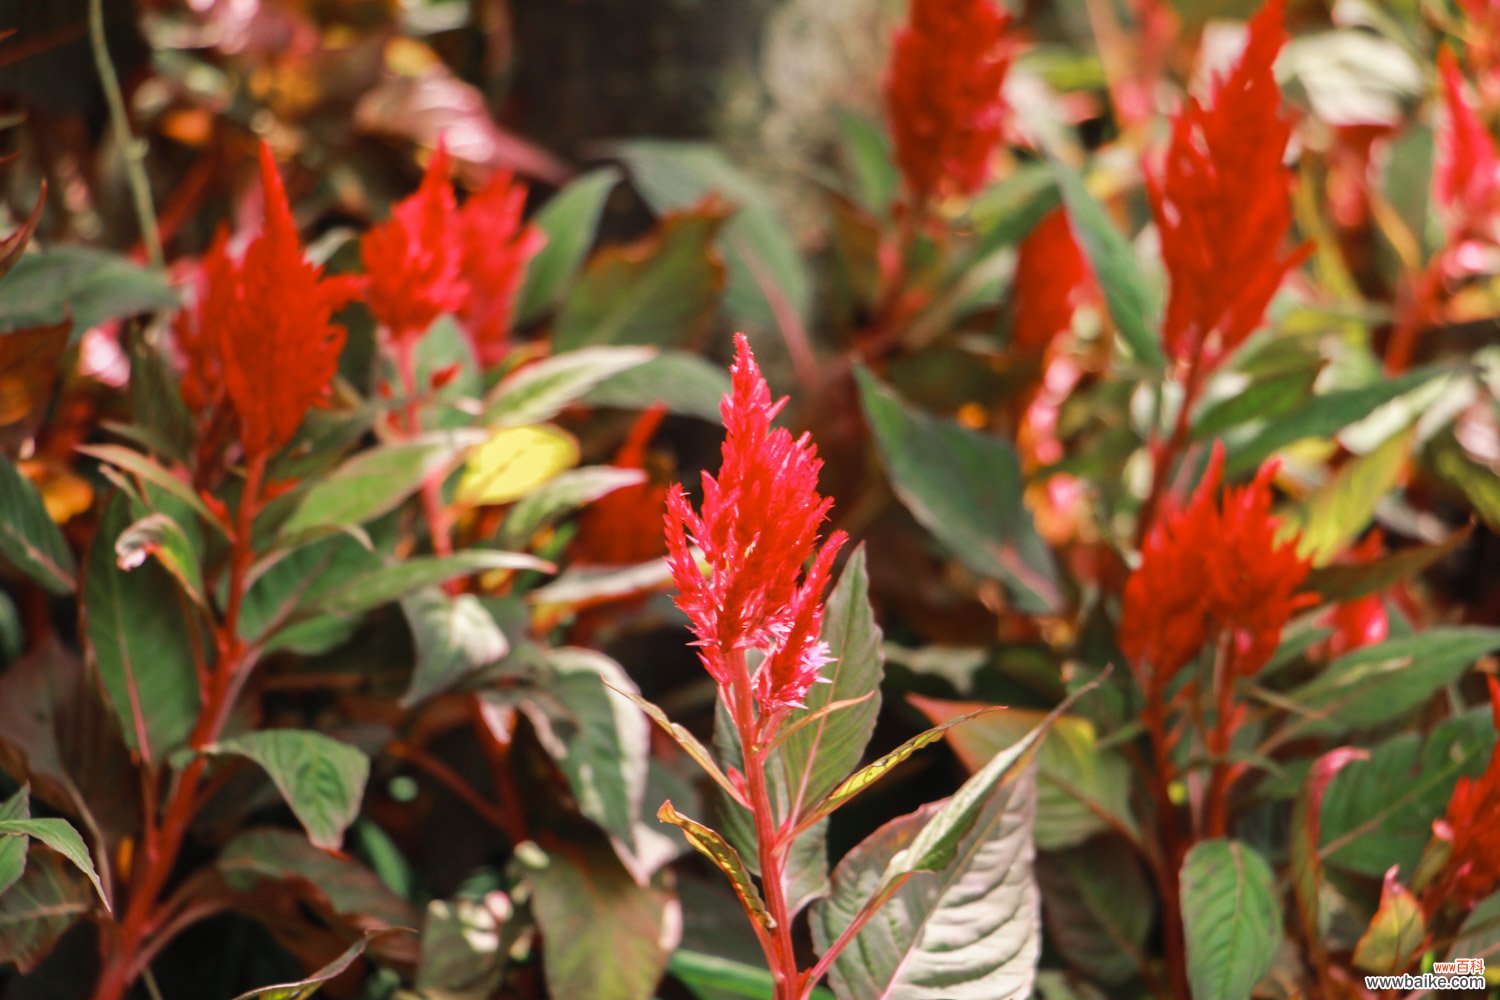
x: 515, y: 461
x: 714, y: 847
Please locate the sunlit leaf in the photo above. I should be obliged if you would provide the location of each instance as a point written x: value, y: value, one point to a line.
x: 514, y: 462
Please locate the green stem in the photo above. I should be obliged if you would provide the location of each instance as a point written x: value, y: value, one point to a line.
x: 132, y: 149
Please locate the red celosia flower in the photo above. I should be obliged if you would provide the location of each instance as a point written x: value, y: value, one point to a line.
x: 1051, y: 279
x: 1223, y: 204
x: 414, y: 259
x: 1467, y: 179
x: 758, y: 527
x: 262, y: 335
x: 943, y: 97
x: 1472, y: 828
x: 496, y: 248
x: 1208, y: 570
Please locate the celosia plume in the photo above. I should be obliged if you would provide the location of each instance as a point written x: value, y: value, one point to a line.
x: 1362, y: 621
x: 1471, y: 826
x: 1223, y: 204
x: 261, y: 333
x: 415, y: 258
x: 757, y: 529
x: 943, y: 96
x: 1052, y: 277
x: 496, y: 249
x: 1213, y: 568
x: 1466, y: 180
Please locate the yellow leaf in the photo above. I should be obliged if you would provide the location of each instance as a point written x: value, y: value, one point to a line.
x: 515, y: 461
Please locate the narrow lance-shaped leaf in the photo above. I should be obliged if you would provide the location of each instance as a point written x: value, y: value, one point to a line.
x: 542, y: 390
x: 29, y: 539
x: 389, y: 583
x: 569, y: 220
x: 13, y: 847
x: 689, y: 743
x: 1306, y: 864
x: 312, y: 983
x: 322, y: 779
x: 62, y: 838
x: 1231, y: 919
x: 716, y: 849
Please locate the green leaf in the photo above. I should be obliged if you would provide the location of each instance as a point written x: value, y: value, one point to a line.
x: 341, y: 890
x: 48, y: 899
x: 583, y: 719
x: 660, y: 291
x: 1082, y: 790
x: 1100, y: 907
x: 559, y: 497
x: 297, y: 578
x: 1114, y: 266
x: 1396, y: 932
x: 454, y: 635
x: 59, y: 835
x: 1231, y: 919
x: 312, y: 983
x: 1340, y: 510
x: 1376, y: 684
x: 158, y: 535
x: 1322, y: 416
x: 1263, y: 400
x: 1479, y: 935
x: 713, y: 978
x: 870, y: 162
x: 821, y: 754
x: 965, y: 488
x: 87, y: 285
x: 690, y: 744
x: 683, y: 383
x: 971, y: 931
x: 603, y: 936
x: 137, y: 629
x: 322, y: 779
x: 1347, y: 582
x: 1378, y: 812
x: 29, y: 539
x: 395, y: 580
x: 1305, y: 860
x: 569, y: 220
x: 375, y: 482
x: 541, y: 390
x: 709, y: 843
x: 148, y: 470
x: 762, y: 257
x: 13, y: 848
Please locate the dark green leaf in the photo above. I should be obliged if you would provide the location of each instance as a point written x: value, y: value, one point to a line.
x: 559, y: 497
x: 965, y: 488
x: 1114, y: 267
x: 1349, y: 581
x: 29, y: 539
x: 338, y: 886
x: 713, y: 978
x: 395, y: 580
x: 660, y: 291
x: 757, y: 244
x: 1100, y: 907
x: 322, y: 779
x: 312, y: 983
x: 138, y: 633
x: 1231, y: 919
x: 62, y: 838
x: 604, y: 937
x: 13, y: 847
x: 38, y: 910
x: 683, y: 383
x: 569, y: 220
x: 83, y: 283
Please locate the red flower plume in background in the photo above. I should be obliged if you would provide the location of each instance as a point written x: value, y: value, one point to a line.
x: 496, y: 249
x: 1471, y: 826
x: 414, y: 258
x: 758, y: 528
x: 262, y: 334
x: 1466, y: 180
x: 1210, y: 569
x: 1223, y: 204
x: 943, y: 96
x: 1052, y: 277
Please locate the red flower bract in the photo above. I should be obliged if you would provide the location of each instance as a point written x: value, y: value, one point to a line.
x: 1471, y: 826
x: 1223, y: 204
x: 496, y: 248
x: 1208, y: 570
x: 1051, y: 275
x: 414, y: 258
x: 758, y: 527
x: 1466, y: 180
x: 943, y: 96
x: 262, y: 335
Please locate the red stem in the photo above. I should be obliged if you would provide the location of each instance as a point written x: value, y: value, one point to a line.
x: 1413, y: 315
x: 1164, y: 774
x: 1219, y: 739
x: 123, y: 943
x: 781, y: 956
